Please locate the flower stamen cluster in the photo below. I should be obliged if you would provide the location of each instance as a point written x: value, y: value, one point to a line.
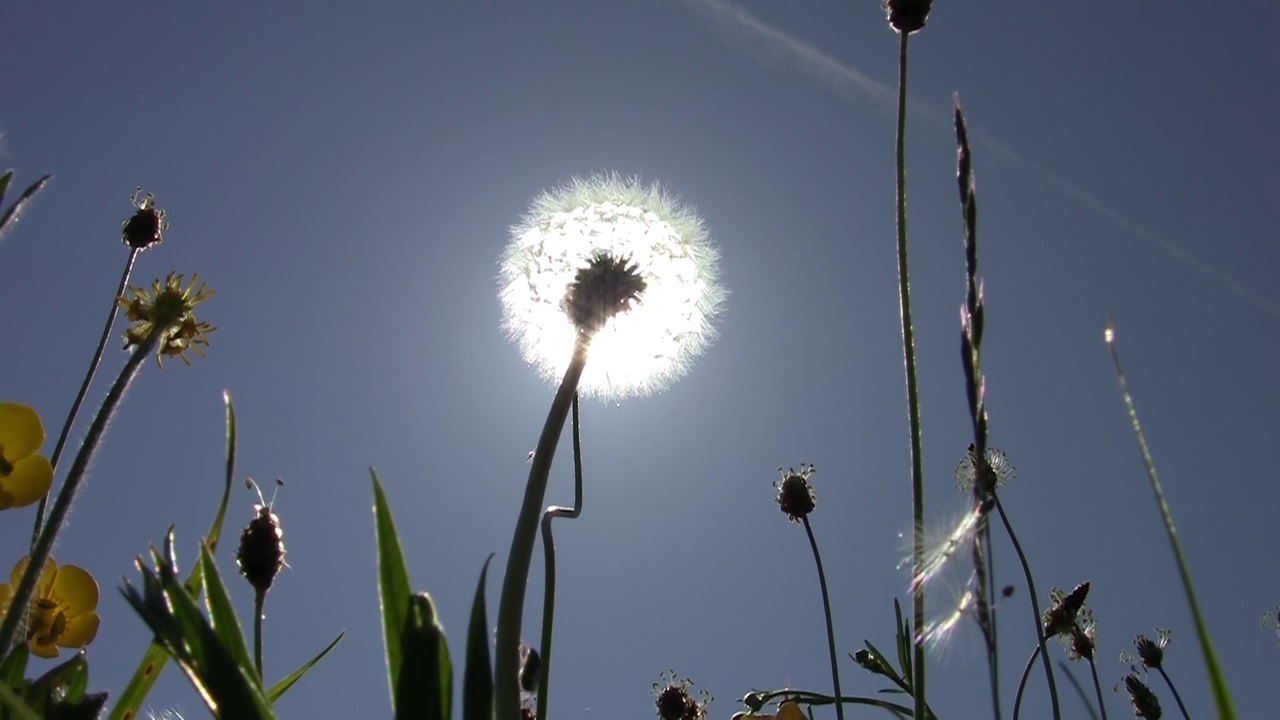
x: 167, y: 309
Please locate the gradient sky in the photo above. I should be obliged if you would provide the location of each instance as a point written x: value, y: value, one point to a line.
x: 345, y: 178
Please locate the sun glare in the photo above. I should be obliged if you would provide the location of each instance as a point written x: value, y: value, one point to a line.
x: 638, y: 351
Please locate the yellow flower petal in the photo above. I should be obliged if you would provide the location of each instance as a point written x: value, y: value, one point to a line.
x: 76, y: 589
x: 6, y: 597
x: 81, y: 630
x: 43, y: 649
x: 21, y: 433
x: 30, y: 480
x: 46, y: 575
x: 790, y: 711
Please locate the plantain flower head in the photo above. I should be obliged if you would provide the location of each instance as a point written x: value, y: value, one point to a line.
x: 145, y: 227
x: 621, y: 262
x: 168, y: 309
x: 25, y: 475
x: 62, y: 611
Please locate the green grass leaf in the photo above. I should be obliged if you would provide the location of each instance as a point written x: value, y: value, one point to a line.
x: 477, y: 678
x: 425, y: 690
x: 4, y: 183
x: 393, y: 584
x: 14, y: 668
x: 222, y: 614
x: 155, y: 658
x: 13, y: 706
x: 10, y: 216
x: 275, y: 691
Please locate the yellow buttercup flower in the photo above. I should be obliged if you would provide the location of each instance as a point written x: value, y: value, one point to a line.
x: 25, y: 477
x: 62, y: 611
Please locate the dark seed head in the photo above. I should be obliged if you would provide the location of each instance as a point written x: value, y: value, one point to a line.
x: 1061, y: 616
x: 674, y: 703
x: 145, y: 228
x: 795, y: 494
x: 1151, y: 653
x: 606, y: 287
x: 1145, y: 704
x: 261, y: 552
x: 907, y: 16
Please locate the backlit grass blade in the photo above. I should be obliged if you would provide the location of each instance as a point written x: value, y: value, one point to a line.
x: 275, y: 691
x: 393, y: 585
x: 425, y: 688
x: 477, y: 678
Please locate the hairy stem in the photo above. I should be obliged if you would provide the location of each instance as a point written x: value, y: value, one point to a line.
x: 84, y: 387
x: 58, y: 514
x: 549, y: 555
x: 826, y: 610
x: 506, y: 665
x: 913, y: 390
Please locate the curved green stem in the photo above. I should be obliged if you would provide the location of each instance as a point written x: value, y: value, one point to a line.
x: 1174, y: 690
x: 259, y: 599
x: 549, y: 555
x: 1035, y: 609
x: 1097, y: 688
x: 913, y: 390
x: 1026, y: 673
x: 84, y: 387
x: 506, y: 665
x: 1075, y: 684
x: 75, y: 477
x: 826, y: 611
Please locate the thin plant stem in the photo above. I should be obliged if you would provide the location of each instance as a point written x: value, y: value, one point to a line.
x: 826, y: 610
x: 1084, y: 697
x: 1035, y: 609
x: 1174, y: 690
x: 549, y: 555
x: 1221, y: 694
x: 259, y: 599
x: 1022, y: 682
x: 1097, y: 688
x: 506, y: 664
x: 993, y: 655
x: 84, y: 387
x: 913, y: 390
x: 75, y: 477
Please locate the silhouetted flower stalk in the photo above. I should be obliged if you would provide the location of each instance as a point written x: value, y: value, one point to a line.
x: 144, y: 229
x: 796, y: 500
x: 906, y: 17
x: 162, y: 322
x: 260, y: 558
x: 673, y: 701
x: 1145, y: 703
x: 1151, y: 654
x: 1058, y: 621
x: 549, y: 562
x: 625, y: 272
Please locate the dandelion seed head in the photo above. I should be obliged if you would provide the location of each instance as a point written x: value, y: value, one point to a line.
x: 654, y: 340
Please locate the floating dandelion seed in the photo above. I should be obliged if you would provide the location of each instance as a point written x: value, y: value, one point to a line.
x: 656, y: 246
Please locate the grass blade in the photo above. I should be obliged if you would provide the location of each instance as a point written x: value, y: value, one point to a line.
x: 1218, y: 681
x: 425, y: 690
x: 275, y: 691
x: 477, y: 678
x: 222, y: 614
x: 393, y: 585
x: 11, y: 215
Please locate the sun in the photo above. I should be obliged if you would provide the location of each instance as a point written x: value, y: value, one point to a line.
x: 645, y: 348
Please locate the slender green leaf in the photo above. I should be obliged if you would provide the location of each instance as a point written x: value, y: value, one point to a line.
x: 275, y: 691
x: 393, y: 584
x: 903, y: 633
x: 222, y: 614
x: 425, y: 690
x: 477, y: 678
x: 10, y: 216
x: 14, y: 667
x: 155, y: 658
x: 4, y: 183
x: 68, y: 680
x: 18, y: 709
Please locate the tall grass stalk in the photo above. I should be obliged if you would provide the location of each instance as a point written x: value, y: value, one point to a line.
x: 1218, y: 681
x: 549, y: 561
x: 506, y: 664
x: 913, y: 389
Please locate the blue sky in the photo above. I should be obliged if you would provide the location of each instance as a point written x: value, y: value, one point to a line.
x: 346, y: 177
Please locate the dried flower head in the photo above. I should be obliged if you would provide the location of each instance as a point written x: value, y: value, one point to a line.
x: 984, y: 475
x: 1061, y: 616
x: 145, y: 228
x: 1150, y: 652
x: 673, y: 701
x: 795, y: 494
x: 261, y: 552
x: 1083, y: 640
x: 621, y: 261
x: 170, y: 311
x: 1145, y: 704
x: 907, y: 16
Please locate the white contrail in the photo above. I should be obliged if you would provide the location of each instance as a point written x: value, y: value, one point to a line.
x: 771, y: 45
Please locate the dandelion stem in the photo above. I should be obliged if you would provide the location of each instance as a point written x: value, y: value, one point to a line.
x: 259, y: 599
x: 511, y: 603
x: 1035, y: 609
x: 1097, y: 688
x: 75, y: 477
x: 549, y: 553
x: 84, y: 387
x: 1218, y: 681
x: 1026, y: 673
x: 1174, y: 690
x: 913, y: 390
x: 826, y: 610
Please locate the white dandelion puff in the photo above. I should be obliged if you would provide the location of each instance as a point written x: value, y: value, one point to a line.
x: 943, y: 546
x: 648, y: 343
